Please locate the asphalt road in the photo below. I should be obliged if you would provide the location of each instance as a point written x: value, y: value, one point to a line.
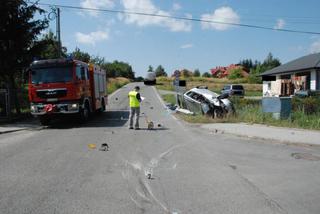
x: 192, y: 171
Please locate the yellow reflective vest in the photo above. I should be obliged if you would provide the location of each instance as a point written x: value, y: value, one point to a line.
x: 133, y: 101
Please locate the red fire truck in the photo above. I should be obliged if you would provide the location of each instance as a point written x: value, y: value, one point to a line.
x: 66, y: 86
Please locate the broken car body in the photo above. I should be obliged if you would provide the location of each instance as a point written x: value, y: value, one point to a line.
x: 201, y: 100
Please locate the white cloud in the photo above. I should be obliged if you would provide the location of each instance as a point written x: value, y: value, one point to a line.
x: 185, y: 46
x: 97, y: 4
x: 222, y: 14
x: 315, y: 47
x: 91, y: 38
x: 176, y: 6
x: 146, y: 6
x: 280, y: 24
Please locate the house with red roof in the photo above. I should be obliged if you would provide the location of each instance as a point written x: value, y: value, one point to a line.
x: 221, y: 72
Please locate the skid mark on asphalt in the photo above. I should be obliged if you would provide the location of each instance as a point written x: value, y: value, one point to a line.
x: 139, y: 190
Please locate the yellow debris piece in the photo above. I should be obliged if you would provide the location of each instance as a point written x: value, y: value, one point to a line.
x: 92, y: 146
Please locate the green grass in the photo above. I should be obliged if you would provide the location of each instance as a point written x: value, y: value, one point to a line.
x: 115, y: 83
x: 253, y: 93
x: 213, y: 84
x: 169, y: 98
x: 250, y: 111
x: 166, y: 86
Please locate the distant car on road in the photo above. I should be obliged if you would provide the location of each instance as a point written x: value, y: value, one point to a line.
x: 150, y: 78
x: 233, y: 90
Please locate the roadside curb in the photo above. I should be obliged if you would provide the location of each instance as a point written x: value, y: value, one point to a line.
x: 13, y: 130
x: 290, y: 134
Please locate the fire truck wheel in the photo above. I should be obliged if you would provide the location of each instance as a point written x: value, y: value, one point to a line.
x: 44, y: 121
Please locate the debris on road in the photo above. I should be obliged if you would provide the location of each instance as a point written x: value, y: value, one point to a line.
x: 171, y: 107
x: 150, y: 124
x: 92, y: 146
x: 184, y: 111
x: 104, y: 147
x: 148, y: 173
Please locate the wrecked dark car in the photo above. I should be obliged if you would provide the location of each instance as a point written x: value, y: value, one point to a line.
x: 200, y: 100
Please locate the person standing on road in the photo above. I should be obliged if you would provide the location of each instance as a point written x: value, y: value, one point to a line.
x: 134, y: 102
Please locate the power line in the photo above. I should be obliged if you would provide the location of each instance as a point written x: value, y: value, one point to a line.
x: 181, y: 18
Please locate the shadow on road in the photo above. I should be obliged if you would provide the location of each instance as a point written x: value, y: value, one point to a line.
x: 105, y: 119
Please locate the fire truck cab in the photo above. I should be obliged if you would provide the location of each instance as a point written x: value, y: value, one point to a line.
x: 66, y: 86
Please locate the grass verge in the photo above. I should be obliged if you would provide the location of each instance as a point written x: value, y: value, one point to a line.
x: 214, y: 84
x: 169, y: 98
x: 250, y: 111
x: 115, y: 83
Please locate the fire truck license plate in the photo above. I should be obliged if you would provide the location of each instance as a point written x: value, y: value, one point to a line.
x: 52, y: 99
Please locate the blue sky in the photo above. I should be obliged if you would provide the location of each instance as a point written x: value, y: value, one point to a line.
x: 175, y: 44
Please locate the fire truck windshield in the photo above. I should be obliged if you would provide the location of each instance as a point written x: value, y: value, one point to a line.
x: 51, y: 75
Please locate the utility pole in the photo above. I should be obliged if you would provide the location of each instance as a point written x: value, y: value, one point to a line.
x: 58, y: 30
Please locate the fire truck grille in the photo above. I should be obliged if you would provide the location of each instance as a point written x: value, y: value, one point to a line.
x: 52, y: 93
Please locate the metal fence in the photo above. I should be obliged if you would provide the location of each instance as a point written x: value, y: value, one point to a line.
x: 7, y: 101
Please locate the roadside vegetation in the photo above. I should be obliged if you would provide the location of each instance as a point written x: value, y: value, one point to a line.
x: 115, y: 83
x: 305, y: 113
x: 169, y: 98
x: 213, y: 84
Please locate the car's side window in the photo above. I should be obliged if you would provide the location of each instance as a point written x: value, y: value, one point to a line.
x: 195, y: 96
x: 189, y: 94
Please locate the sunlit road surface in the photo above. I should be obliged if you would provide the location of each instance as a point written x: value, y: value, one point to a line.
x: 175, y: 168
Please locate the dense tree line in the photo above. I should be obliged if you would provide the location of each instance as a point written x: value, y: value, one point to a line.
x: 255, y: 68
x: 21, y: 43
x: 18, y: 43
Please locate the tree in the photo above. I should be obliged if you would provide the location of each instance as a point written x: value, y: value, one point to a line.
x: 150, y: 68
x: 247, y: 64
x: 196, y: 73
x: 270, y: 62
x: 82, y: 56
x: 235, y: 73
x: 48, y: 47
x: 206, y: 74
x: 97, y: 60
x: 186, y: 73
x: 118, y: 69
x: 160, y: 71
x: 19, y: 32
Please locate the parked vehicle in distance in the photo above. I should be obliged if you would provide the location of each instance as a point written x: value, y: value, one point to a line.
x: 201, y: 100
x: 150, y: 78
x: 233, y: 90
x: 66, y: 86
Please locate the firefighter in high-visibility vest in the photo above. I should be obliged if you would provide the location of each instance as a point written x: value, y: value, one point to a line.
x: 134, y: 102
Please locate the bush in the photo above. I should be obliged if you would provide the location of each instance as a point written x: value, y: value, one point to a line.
x: 307, y: 105
x: 235, y: 74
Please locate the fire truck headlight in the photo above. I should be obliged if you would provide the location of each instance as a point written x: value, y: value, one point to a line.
x: 33, y: 108
x: 74, y: 105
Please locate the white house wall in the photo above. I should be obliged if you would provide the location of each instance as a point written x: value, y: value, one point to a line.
x: 276, y: 86
x: 265, y: 88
